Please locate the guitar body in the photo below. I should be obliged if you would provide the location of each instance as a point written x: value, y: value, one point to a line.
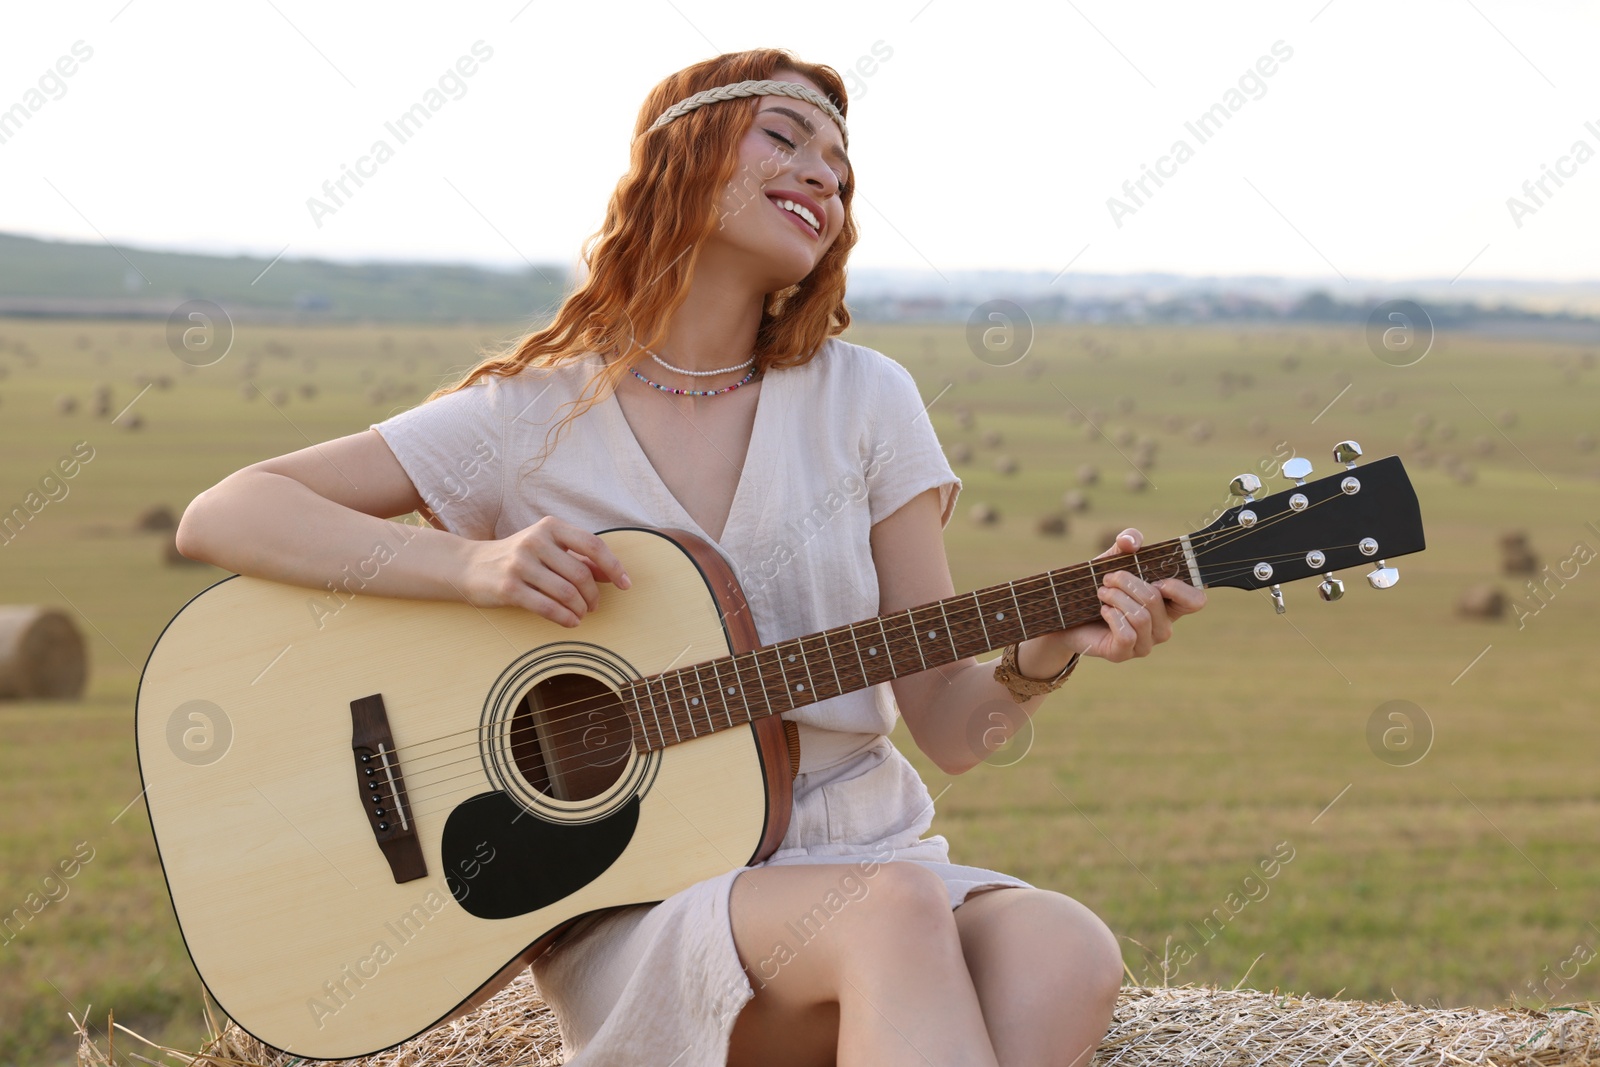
x: 321, y: 941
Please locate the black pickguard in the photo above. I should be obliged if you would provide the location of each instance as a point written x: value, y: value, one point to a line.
x: 502, y: 860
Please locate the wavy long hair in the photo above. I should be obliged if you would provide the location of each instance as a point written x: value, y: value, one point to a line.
x: 640, y: 263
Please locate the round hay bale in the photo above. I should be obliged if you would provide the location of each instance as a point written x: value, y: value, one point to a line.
x: 157, y: 517
x: 1075, y: 500
x: 964, y: 418
x: 983, y: 514
x: 1482, y: 446
x: 1445, y: 432
x: 1125, y: 405
x: 1136, y: 482
x: 247, y: 391
x: 1422, y: 421
x: 1585, y: 442
x: 1173, y: 424
x: 960, y: 452
x: 1464, y: 474
x: 1481, y: 602
x: 1175, y: 376
x: 66, y: 404
x: 308, y: 390
x: 1005, y: 465
x: 1507, y: 419
x: 172, y: 557
x: 1052, y: 526
x: 41, y: 654
x: 1088, y: 474
x: 1386, y: 398
x: 1201, y: 431
x: 992, y: 438
x: 280, y: 397
x: 1516, y: 555
x: 1125, y: 436
x: 134, y: 421
x: 1258, y: 426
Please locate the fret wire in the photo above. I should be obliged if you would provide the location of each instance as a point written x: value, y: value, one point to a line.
x: 1055, y: 598
x: 688, y: 715
x: 785, y: 675
x: 700, y: 684
x: 672, y: 716
x: 954, y: 651
x: 1092, y: 575
x: 887, y: 654
x: 727, y: 711
x: 744, y: 692
x: 911, y: 614
x: 1138, y: 565
x: 800, y: 643
x: 827, y: 646
x: 1012, y: 586
x: 978, y: 604
x: 855, y: 641
x: 660, y: 736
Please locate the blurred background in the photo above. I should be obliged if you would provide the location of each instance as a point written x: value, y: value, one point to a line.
x: 1128, y: 253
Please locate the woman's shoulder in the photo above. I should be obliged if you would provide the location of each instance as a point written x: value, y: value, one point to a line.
x: 854, y: 369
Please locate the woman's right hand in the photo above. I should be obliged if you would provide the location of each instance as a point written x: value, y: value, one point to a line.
x: 549, y: 568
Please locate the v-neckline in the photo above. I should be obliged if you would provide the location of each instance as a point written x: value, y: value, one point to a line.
x: 742, y: 490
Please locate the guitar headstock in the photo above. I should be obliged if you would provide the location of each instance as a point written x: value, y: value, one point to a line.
x: 1361, y: 515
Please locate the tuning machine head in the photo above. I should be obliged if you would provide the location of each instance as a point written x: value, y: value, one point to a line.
x: 1298, y: 468
x: 1246, y: 485
x: 1382, y: 577
x: 1347, y: 452
x: 1330, y: 588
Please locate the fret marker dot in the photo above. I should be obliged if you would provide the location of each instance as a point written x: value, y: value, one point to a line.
x: 932, y: 634
x: 799, y: 687
x: 693, y: 701
x: 791, y: 658
x: 730, y: 690
x: 873, y: 651
x: 999, y: 614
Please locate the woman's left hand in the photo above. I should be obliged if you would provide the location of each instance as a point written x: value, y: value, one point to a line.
x: 1135, y: 615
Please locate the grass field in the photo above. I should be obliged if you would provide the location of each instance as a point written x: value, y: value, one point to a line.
x: 1151, y: 791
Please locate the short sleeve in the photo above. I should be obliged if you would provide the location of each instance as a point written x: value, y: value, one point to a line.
x: 901, y: 453
x: 451, y: 448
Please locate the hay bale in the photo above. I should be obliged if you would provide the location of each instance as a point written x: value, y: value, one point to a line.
x: 1151, y: 1026
x: 66, y: 404
x: 992, y: 438
x: 157, y: 517
x: 983, y: 514
x: 1088, y: 474
x: 41, y: 654
x: 1136, y: 482
x: 1075, y: 500
x: 1516, y: 555
x: 1201, y: 431
x: 1005, y: 465
x: 1051, y: 526
x: 960, y: 452
x: 1481, y: 602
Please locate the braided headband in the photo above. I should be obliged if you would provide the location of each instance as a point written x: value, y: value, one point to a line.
x: 754, y: 88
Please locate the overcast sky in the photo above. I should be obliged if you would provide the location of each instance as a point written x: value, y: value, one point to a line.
x: 1384, y: 143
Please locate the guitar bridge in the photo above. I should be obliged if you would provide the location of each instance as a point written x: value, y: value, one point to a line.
x: 383, y: 788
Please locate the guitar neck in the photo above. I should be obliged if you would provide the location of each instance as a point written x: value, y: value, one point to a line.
x: 735, y: 690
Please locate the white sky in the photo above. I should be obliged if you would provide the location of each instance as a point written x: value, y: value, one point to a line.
x: 991, y: 137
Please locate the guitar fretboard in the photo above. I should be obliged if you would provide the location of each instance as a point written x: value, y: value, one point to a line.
x: 719, y: 694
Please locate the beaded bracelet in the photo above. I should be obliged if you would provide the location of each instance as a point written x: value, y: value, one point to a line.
x: 1008, y: 674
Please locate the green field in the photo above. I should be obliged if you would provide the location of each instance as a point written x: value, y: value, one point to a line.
x: 1149, y: 790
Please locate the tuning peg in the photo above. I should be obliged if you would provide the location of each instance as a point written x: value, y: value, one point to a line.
x: 1347, y: 452
x: 1245, y: 485
x: 1277, y: 599
x: 1298, y: 468
x: 1383, y: 577
x: 1331, y: 588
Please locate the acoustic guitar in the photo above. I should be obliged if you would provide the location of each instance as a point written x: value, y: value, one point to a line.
x: 371, y: 819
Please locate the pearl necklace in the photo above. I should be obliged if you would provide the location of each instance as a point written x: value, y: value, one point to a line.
x: 695, y: 392
x: 701, y: 373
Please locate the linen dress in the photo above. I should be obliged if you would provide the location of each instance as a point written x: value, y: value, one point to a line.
x: 837, y: 444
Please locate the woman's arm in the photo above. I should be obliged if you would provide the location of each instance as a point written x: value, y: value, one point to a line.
x: 313, y: 516
x: 944, y: 707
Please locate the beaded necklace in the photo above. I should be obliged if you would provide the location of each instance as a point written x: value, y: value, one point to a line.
x: 693, y: 392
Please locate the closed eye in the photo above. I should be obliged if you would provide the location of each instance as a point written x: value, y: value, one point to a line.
x: 844, y: 184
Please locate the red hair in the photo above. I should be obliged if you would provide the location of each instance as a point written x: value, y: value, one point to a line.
x: 640, y: 263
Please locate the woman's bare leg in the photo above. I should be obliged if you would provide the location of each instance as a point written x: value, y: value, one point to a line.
x: 1047, y: 971
x: 853, y: 968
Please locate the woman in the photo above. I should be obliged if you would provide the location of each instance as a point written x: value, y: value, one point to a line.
x: 698, y: 371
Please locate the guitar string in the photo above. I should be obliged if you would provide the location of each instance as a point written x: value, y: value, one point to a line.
x: 1168, y: 555
x: 478, y: 782
x: 1074, y: 601
x: 604, y: 699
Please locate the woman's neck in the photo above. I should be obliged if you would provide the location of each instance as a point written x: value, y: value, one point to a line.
x: 716, y: 325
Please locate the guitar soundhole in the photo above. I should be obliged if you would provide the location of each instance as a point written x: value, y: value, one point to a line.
x: 570, y: 737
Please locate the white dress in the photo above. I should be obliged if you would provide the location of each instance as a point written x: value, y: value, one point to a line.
x: 662, y: 983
